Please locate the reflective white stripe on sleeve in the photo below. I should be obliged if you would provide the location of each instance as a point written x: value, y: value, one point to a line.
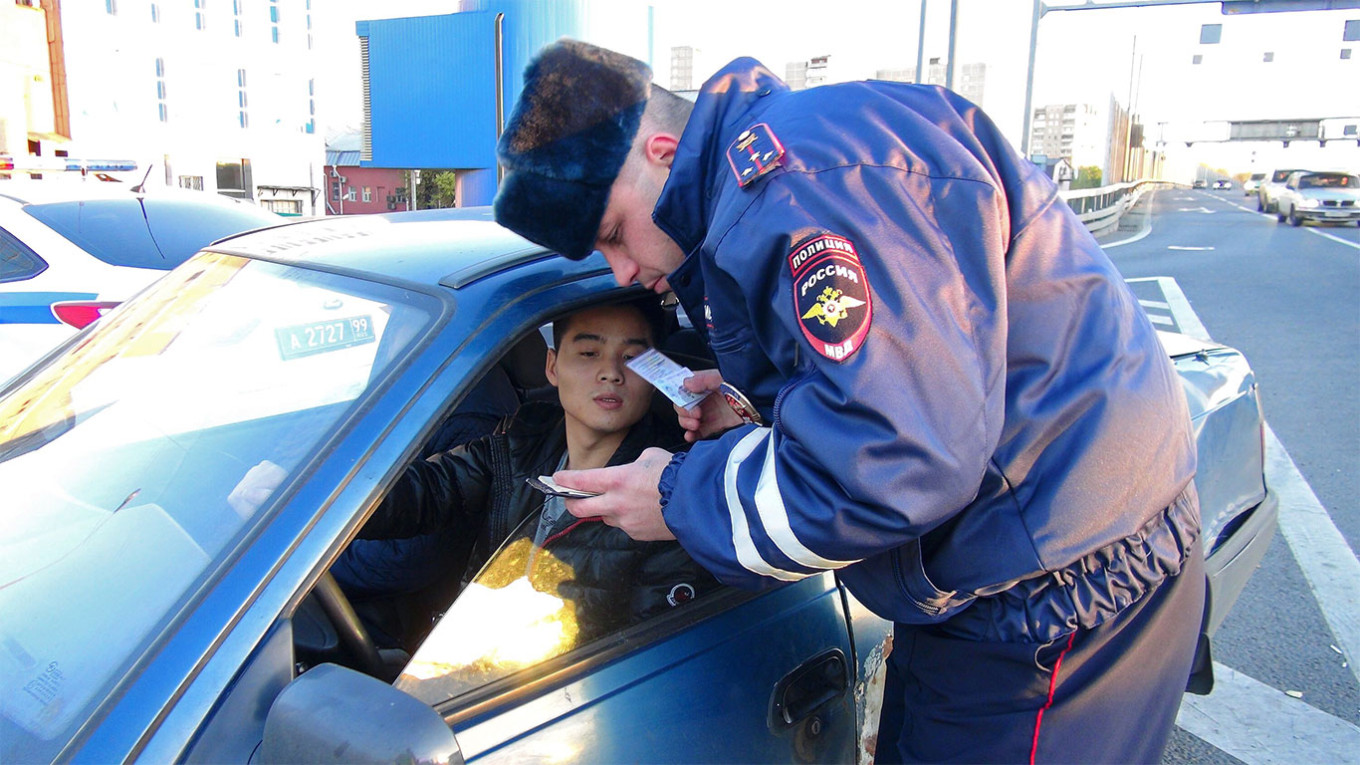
x: 775, y: 518
x: 747, y: 554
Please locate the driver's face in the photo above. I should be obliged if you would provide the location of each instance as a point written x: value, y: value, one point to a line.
x: 596, y: 389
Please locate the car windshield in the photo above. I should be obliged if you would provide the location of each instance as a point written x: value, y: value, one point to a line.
x: 147, y: 232
x: 124, y: 463
x: 1329, y: 181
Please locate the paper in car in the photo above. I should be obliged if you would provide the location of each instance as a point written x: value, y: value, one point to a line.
x: 666, y: 376
x: 547, y: 485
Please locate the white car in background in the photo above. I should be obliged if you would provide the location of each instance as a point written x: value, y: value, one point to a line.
x: 71, y: 249
x: 1270, y: 187
x: 1322, y: 197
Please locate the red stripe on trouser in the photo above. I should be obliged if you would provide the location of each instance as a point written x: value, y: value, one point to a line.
x: 1052, y: 685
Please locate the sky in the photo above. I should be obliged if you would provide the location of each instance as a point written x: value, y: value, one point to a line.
x: 1140, y: 55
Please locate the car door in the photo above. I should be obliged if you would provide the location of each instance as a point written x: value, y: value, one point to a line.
x: 732, y: 676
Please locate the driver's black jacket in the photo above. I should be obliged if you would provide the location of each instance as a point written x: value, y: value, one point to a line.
x: 479, y: 490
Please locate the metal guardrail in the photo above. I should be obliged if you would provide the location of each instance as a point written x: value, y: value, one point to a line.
x: 1100, y: 209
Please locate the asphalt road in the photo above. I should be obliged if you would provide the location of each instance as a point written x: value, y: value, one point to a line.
x: 1287, y: 688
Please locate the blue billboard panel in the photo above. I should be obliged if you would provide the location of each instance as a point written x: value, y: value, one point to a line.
x: 432, y: 91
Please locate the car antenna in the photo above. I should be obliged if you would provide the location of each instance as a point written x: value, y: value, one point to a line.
x: 138, y: 188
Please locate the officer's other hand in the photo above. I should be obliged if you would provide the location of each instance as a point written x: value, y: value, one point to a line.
x: 712, y: 415
x: 629, y: 499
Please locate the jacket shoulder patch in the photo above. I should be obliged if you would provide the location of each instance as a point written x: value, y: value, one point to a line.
x: 831, y: 297
x: 755, y: 152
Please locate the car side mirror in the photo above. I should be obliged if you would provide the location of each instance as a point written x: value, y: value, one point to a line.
x: 331, y: 714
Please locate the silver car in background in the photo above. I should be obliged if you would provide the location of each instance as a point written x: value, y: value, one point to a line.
x: 1323, y: 197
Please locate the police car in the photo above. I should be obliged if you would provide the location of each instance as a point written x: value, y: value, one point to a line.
x: 70, y: 250
x: 155, y: 609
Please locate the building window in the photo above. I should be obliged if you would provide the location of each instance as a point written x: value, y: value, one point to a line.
x: 1198, y: 59
x: 194, y: 182
x: 1345, y: 53
x: 237, y: 27
x: 282, y: 206
x: 349, y: 194
x: 162, y: 109
x: 1352, y: 31
x: 1210, y: 34
x: 274, y: 20
x: 155, y: 13
x: 111, y: 6
x: 310, y: 128
x: 335, y: 190
x: 241, y: 101
x: 234, y: 179
x: 1268, y: 57
x: 368, y: 193
x: 200, y: 14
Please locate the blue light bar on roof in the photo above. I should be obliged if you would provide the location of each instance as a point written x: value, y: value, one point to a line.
x: 64, y: 165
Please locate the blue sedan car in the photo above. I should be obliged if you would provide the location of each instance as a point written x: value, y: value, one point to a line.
x: 156, y: 609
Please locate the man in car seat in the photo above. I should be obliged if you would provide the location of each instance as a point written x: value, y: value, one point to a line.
x: 603, y: 417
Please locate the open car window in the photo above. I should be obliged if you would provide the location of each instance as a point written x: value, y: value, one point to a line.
x: 533, y: 602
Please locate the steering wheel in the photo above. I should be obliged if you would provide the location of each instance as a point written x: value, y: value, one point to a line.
x: 349, y: 629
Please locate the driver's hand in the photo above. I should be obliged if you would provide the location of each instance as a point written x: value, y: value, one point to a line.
x: 255, y: 487
x: 710, y: 416
x: 629, y: 498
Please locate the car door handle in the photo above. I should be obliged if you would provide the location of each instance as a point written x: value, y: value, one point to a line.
x: 807, y: 689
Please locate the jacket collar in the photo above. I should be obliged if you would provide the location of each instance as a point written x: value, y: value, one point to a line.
x: 725, y: 106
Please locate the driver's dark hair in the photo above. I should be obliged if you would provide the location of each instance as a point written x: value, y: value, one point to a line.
x: 647, y: 305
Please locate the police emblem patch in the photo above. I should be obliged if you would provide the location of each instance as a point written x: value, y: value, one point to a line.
x: 755, y: 153
x: 831, y: 295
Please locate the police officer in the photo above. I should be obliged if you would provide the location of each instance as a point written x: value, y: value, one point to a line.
x: 962, y: 409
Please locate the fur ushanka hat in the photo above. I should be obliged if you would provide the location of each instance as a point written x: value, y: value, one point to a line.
x: 566, y: 139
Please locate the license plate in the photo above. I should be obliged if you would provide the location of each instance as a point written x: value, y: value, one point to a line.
x: 321, y: 336
x: 1337, y: 214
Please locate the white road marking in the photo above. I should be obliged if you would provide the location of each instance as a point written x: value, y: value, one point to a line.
x: 1333, y: 237
x: 1154, y: 304
x: 1147, y: 229
x: 1167, y: 320
x: 1258, y: 724
x: 1185, y: 316
x: 1328, y: 562
x: 1191, y: 249
x: 1200, y: 209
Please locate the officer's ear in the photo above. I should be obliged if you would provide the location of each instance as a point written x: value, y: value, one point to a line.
x: 659, y: 148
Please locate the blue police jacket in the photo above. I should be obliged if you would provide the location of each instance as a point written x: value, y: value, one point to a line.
x: 965, y: 409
